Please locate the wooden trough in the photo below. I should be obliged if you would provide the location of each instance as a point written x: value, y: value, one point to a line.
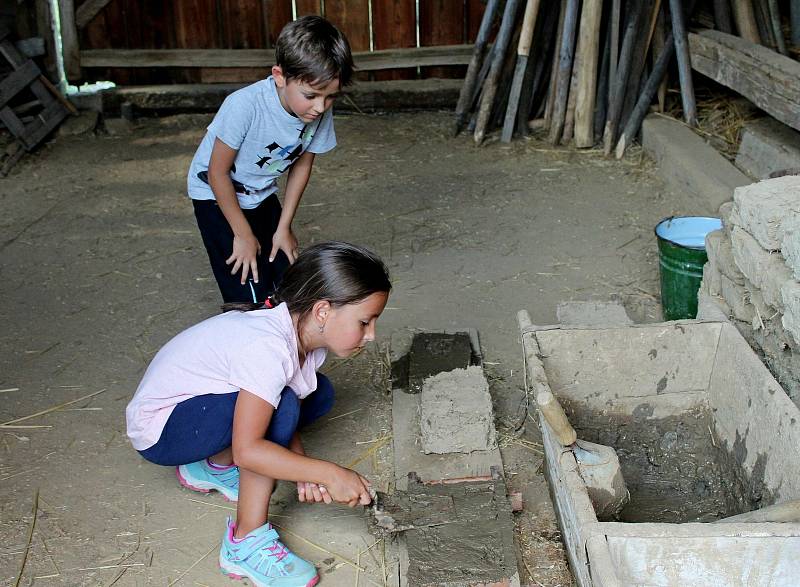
x: 670, y: 382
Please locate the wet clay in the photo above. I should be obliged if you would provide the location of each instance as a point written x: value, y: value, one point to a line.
x: 436, y: 352
x: 675, y: 468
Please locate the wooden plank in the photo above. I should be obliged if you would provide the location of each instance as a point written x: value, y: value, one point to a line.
x: 195, y: 24
x: 69, y: 40
x: 278, y: 13
x: 16, y: 81
x: 234, y: 58
x: 352, y: 18
x: 306, y: 7
x: 88, y: 10
x: 242, y: 26
x: 393, y: 27
x: 441, y: 22
x: 770, y: 80
x: 520, y: 68
x: 46, y: 32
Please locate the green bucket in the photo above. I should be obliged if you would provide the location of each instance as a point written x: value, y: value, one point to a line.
x: 682, y: 254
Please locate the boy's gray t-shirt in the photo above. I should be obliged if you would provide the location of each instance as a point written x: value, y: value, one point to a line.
x: 268, y: 140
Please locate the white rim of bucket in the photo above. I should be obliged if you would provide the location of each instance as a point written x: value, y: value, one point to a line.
x: 712, y: 222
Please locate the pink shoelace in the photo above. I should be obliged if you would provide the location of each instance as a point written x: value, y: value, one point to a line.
x: 278, y: 550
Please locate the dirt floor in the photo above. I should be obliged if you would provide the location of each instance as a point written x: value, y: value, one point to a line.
x: 102, y: 263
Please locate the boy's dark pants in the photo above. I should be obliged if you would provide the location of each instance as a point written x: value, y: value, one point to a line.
x: 218, y: 239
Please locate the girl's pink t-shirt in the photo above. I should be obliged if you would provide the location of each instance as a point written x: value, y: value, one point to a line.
x: 256, y: 351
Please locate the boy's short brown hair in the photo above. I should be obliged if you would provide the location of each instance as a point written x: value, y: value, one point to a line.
x: 312, y: 50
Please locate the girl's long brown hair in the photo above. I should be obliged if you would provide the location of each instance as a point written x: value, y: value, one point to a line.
x: 335, y: 271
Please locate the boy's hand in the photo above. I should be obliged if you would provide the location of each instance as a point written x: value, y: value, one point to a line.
x: 284, y: 240
x: 349, y: 487
x: 245, y: 256
x: 312, y: 493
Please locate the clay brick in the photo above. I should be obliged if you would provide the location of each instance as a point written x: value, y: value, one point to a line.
x: 720, y: 254
x: 763, y: 208
x: 738, y: 300
x: 517, y: 504
x: 790, y: 293
x: 765, y: 270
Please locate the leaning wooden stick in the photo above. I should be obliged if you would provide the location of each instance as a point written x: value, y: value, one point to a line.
x: 474, y: 67
x: 646, y: 97
x: 617, y: 85
x: 746, y: 20
x: 777, y: 31
x: 588, y: 46
x: 684, y: 62
x: 551, y: 91
x: 490, y: 88
x: 523, y: 50
x: 566, y: 55
x: 722, y: 16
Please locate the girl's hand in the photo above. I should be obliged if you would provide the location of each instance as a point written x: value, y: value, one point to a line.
x: 284, y: 240
x: 312, y: 493
x: 349, y: 487
x: 245, y: 256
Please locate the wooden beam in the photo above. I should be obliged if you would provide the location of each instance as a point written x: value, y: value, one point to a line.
x: 770, y: 80
x: 588, y: 49
x: 88, y: 10
x: 234, y: 58
x: 69, y: 40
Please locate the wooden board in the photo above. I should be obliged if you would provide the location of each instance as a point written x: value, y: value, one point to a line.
x: 436, y: 30
x: 352, y: 18
x: 367, y: 61
x: 277, y: 14
x: 393, y: 27
x: 770, y: 80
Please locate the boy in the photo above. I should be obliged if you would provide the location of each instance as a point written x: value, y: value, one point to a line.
x: 261, y: 131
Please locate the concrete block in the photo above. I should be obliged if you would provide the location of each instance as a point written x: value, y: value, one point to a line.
x: 765, y: 270
x: 592, y: 314
x: 768, y: 146
x: 456, y: 413
x: 790, y: 293
x: 763, y: 208
x: 738, y: 300
x: 720, y: 255
x: 687, y: 163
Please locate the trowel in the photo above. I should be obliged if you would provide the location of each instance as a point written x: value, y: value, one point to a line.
x: 598, y: 465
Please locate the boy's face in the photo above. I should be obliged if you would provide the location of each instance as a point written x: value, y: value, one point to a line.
x: 307, y: 101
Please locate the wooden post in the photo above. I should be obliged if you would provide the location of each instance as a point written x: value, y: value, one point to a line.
x: 746, y: 20
x: 684, y: 62
x: 551, y: 92
x: 467, y: 90
x: 601, y: 107
x: 722, y: 16
x: 523, y: 50
x: 617, y: 85
x: 569, y: 115
x: 634, y: 85
x: 763, y: 23
x: 777, y: 31
x: 44, y: 26
x: 539, y: 61
x: 794, y: 16
x: 565, y: 58
x: 658, y: 47
x: 490, y: 88
x: 69, y: 40
x: 588, y: 47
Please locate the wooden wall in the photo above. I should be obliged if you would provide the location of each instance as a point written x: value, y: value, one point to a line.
x: 255, y: 24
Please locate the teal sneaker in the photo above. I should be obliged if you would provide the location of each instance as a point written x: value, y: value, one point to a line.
x: 261, y: 557
x: 205, y: 476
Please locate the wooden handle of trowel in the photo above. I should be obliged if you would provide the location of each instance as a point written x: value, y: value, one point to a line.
x: 555, y: 416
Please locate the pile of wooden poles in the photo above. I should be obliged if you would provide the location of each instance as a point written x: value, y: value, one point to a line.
x: 583, y: 70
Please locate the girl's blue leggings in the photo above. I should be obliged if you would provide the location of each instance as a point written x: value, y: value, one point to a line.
x: 203, y: 426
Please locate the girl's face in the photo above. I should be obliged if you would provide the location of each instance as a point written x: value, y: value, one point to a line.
x: 307, y: 102
x: 348, y: 328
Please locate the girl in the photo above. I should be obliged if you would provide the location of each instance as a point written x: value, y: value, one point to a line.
x: 223, y: 401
